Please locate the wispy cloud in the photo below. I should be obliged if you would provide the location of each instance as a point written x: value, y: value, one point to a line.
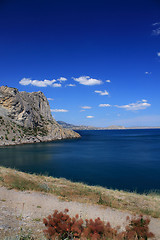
x: 86, y: 107
x: 50, y: 99
x: 62, y: 79
x: 155, y: 24
x: 89, y: 116
x: 59, y: 110
x: 143, y: 104
x: 70, y: 85
x: 104, y: 105
x: 158, y: 54
x: 88, y: 81
x: 156, y: 31
x: 102, y: 93
x: 148, y: 73
x: 108, y: 81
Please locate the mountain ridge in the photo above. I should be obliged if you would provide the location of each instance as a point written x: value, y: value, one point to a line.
x: 111, y: 127
x: 83, y: 127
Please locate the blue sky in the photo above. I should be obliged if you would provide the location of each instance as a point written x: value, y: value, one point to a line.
x: 98, y: 62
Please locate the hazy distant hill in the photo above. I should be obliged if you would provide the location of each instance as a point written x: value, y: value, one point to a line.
x: 82, y: 127
x: 75, y: 127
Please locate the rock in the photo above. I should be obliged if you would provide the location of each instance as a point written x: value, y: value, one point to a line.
x: 26, y: 118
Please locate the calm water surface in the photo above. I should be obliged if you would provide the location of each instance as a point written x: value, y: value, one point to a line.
x: 118, y: 159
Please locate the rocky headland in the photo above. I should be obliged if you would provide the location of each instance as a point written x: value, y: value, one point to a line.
x: 26, y: 118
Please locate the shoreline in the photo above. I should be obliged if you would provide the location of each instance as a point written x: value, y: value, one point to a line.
x: 36, y: 142
x: 129, y: 128
x: 146, y: 203
x: 25, y: 199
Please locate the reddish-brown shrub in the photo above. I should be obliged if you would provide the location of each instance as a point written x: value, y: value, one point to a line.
x: 97, y: 229
x: 138, y: 228
x: 61, y: 226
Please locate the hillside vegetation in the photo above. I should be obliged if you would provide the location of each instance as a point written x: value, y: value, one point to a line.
x: 148, y: 204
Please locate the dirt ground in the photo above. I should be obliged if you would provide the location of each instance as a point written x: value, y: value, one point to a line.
x: 24, y: 212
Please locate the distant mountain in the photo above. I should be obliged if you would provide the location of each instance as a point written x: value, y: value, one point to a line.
x: 74, y: 127
x: 82, y: 127
x: 112, y: 127
x: 65, y: 125
x: 115, y: 127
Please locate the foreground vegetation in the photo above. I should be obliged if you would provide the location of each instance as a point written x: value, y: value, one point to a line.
x: 148, y: 204
x: 61, y: 226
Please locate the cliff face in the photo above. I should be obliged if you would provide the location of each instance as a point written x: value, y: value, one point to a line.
x: 26, y: 118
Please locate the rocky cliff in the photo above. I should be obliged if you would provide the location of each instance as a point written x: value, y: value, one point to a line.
x: 26, y: 118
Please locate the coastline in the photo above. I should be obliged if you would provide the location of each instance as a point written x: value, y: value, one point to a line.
x: 25, y: 199
x: 125, y: 128
x: 7, y: 144
x: 119, y: 199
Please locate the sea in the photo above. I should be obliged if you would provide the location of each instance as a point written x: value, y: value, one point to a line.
x: 117, y: 159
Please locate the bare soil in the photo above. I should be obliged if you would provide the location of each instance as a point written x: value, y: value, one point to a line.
x: 25, y: 210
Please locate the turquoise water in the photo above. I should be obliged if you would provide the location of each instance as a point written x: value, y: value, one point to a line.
x: 118, y: 159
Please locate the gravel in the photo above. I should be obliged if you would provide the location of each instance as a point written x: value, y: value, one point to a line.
x: 24, y: 211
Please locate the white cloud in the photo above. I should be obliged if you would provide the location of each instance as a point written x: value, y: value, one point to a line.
x: 148, y: 73
x: 57, y: 85
x: 37, y: 83
x: 86, y: 107
x: 50, y: 99
x: 70, y: 85
x: 59, y: 110
x: 158, y: 54
x: 89, y: 116
x: 104, y: 105
x: 143, y: 104
x: 62, y: 79
x: 25, y: 81
x: 49, y: 82
x: 102, y: 93
x: 88, y: 81
x: 44, y: 83
x: 108, y: 81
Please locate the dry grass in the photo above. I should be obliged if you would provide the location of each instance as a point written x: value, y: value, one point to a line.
x: 70, y: 191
